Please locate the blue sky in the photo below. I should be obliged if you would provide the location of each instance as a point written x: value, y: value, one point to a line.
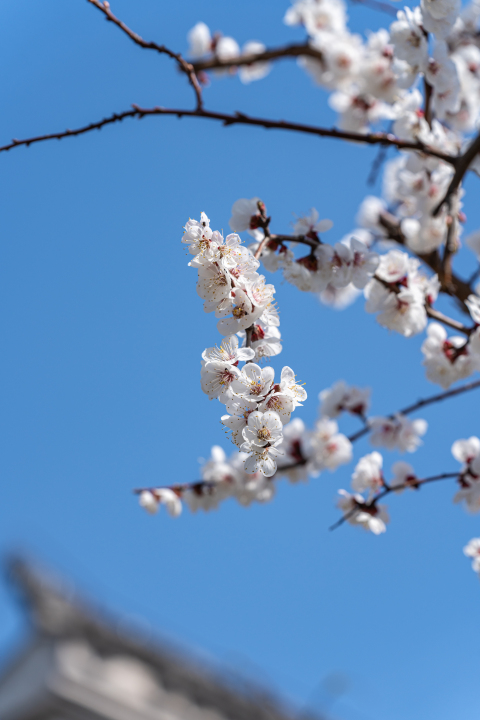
x: 102, y: 332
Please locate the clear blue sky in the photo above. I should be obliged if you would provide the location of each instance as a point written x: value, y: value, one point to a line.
x: 102, y: 332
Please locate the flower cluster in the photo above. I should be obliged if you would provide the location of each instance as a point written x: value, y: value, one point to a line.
x: 257, y: 406
x: 448, y: 359
x: 247, y: 475
x: 419, y: 83
x: 419, y: 79
x: 400, y: 294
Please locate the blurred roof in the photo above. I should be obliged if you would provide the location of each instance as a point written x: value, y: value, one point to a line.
x: 60, y: 616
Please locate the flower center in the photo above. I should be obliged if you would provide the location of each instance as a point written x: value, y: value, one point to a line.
x: 238, y: 312
x: 264, y: 434
x: 226, y: 378
x: 256, y: 388
x: 275, y: 403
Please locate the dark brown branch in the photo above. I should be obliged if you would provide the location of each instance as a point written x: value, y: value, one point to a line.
x: 428, y: 102
x: 420, y: 404
x: 285, y: 51
x: 302, y: 239
x: 239, y: 118
x: 184, y: 66
x: 461, y: 167
x: 450, y: 322
x: 451, y: 245
x: 387, y: 490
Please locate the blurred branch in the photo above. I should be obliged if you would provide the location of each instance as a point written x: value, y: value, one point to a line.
x: 285, y: 51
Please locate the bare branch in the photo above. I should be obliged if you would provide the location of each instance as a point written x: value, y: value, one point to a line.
x: 461, y: 167
x: 302, y: 239
x: 183, y: 65
x: 450, y: 322
x: 239, y: 118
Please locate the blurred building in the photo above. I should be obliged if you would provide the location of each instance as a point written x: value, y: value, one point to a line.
x: 77, y: 665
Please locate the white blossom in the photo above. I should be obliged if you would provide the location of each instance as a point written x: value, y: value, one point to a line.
x: 403, y: 476
x: 341, y: 397
x: 246, y: 216
x: 398, y: 432
x: 310, y: 224
x: 200, y: 40
x: 472, y: 550
x: 327, y: 448
x: 253, y: 382
x: 356, y: 512
x: 256, y: 70
x: 228, y: 352
x: 368, y: 474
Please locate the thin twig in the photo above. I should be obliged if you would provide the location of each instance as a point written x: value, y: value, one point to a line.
x: 461, y: 167
x: 389, y: 489
x: 450, y: 322
x: 239, y: 118
x: 420, y: 404
x: 184, y: 66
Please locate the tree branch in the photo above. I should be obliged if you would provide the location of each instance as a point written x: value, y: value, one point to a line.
x: 184, y: 66
x: 450, y: 322
x: 302, y: 239
x: 461, y: 167
x: 239, y: 118
x: 389, y: 489
x: 420, y: 404
x: 285, y: 51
